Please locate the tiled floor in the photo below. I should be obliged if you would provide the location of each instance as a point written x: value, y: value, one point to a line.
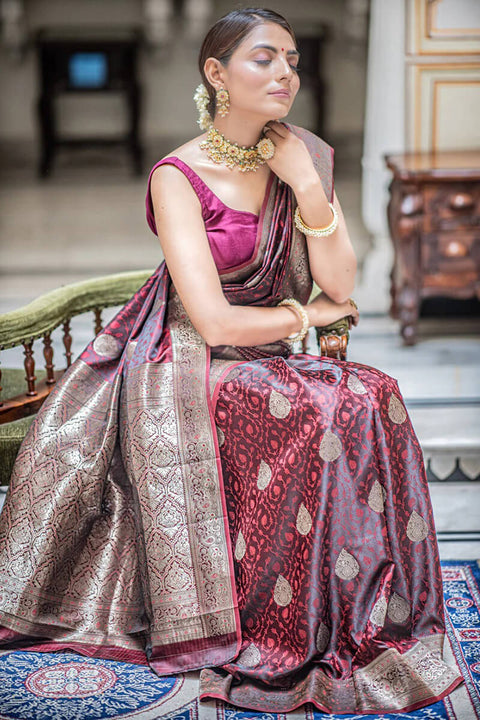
x: 88, y: 219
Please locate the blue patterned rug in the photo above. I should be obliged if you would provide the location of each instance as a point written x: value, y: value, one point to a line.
x: 66, y: 686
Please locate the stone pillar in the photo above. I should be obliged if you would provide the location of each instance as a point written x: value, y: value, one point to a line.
x: 384, y: 132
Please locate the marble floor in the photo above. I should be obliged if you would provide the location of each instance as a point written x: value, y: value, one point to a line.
x: 88, y: 219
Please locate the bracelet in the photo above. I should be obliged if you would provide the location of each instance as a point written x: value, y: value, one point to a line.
x: 316, y: 232
x: 296, y: 307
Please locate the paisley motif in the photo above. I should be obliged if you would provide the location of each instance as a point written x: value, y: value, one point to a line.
x: 131, y: 349
x: 279, y: 405
x: 264, y: 475
x: 417, y: 528
x: 346, y: 566
x: 396, y: 410
x: 398, y: 609
x: 376, y: 497
x: 355, y: 385
x: 283, y: 591
x: 106, y: 345
x: 240, y: 546
x: 220, y: 436
x: 379, y: 611
x: 304, y: 520
x: 250, y: 657
x: 330, y: 447
x: 322, y: 638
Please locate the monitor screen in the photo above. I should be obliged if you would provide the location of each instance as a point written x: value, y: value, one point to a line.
x: 87, y: 69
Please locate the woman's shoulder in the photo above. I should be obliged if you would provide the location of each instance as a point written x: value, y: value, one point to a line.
x: 174, y: 177
x: 172, y: 187
x: 185, y: 158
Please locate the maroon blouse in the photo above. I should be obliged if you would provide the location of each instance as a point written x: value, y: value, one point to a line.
x: 232, y: 234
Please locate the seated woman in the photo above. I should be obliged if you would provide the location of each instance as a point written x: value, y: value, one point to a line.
x: 194, y: 496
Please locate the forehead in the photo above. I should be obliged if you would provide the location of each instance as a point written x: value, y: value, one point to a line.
x: 269, y: 34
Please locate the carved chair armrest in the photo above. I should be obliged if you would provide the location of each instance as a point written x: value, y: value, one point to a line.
x: 333, y: 339
x: 39, y: 318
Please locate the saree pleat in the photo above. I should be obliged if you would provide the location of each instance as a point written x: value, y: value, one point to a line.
x: 260, y: 516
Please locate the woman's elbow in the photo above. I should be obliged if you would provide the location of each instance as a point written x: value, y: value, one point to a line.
x: 340, y: 288
x: 217, y: 331
x: 342, y: 291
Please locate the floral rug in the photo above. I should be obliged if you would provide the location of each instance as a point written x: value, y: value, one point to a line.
x: 66, y: 686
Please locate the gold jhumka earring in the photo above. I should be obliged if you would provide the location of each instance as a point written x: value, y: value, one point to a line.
x: 222, y: 99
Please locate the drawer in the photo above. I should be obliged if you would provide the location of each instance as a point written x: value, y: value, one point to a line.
x: 451, y: 252
x: 450, y: 206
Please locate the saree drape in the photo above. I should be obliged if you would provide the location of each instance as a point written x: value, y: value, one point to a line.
x: 260, y: 516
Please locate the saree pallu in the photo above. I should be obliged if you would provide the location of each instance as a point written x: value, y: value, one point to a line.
x: 261, y: 516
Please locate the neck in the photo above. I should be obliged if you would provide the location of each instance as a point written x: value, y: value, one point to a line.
x: 245, y: 131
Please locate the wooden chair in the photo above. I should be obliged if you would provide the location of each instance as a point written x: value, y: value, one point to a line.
x: 24, y: 391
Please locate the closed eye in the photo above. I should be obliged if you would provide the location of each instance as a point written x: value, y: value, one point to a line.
x: 266, y: 62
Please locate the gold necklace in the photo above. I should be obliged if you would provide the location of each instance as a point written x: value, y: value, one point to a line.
x: 221, y: 150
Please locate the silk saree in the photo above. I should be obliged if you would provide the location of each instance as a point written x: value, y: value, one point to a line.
x: 260, y: 516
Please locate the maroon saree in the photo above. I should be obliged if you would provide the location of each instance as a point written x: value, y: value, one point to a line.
x: 258, y: 515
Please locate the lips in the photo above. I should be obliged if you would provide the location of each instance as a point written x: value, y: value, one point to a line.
x: 281, y: 93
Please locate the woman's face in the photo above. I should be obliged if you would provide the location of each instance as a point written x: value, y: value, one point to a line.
x: 261, y: 76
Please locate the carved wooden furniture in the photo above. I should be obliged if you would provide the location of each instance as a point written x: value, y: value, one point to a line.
x: 434, y: 221
x: 87, y: 60
x: 24, y: 391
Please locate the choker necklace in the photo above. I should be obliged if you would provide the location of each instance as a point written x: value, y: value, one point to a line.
x: 221, y: 150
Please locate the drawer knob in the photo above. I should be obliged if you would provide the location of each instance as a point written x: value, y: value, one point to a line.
x: 412, y: 204
x: 460, y: 201
x: 455, y: 249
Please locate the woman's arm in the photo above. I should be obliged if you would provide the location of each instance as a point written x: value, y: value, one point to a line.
x: 332, y: 259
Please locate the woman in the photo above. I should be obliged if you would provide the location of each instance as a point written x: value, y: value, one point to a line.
x: 195, y: 496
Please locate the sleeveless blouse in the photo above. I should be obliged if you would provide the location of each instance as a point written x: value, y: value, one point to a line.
x: 232, y: 234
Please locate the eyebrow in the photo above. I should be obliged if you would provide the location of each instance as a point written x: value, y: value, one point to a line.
x: 275, y: 50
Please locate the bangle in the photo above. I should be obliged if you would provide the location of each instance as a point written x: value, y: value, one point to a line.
x: 296, y: 307
x: 316, y: 232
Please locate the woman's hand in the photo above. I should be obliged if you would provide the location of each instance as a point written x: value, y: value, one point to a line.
x: 291, y: 161
x: 322, y: 311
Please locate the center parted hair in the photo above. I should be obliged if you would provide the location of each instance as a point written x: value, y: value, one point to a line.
x: 227, y: 33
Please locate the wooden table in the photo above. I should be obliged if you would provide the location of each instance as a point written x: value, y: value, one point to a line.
x: 434, y: 221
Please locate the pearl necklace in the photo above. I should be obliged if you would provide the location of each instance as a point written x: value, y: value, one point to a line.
x: 221, y: 150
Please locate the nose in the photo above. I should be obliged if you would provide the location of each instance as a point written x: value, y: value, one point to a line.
x: 285, y: 69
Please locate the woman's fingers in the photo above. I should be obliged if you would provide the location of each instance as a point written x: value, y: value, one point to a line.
x: 277, y: 128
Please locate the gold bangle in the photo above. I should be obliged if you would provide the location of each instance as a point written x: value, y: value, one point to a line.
x: 316, y: 232
x: 295, y: 305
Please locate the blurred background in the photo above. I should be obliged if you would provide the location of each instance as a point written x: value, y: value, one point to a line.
x: 94, y: 93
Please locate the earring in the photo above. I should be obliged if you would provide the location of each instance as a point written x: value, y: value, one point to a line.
x: 222, y: 99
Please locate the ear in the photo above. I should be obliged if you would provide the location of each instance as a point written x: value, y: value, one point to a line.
x: 214, y: 72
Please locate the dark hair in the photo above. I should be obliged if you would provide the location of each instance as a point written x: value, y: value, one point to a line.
x: 225, y: 36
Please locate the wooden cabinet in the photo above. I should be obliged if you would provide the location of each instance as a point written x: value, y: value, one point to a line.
x: 434, y: 221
